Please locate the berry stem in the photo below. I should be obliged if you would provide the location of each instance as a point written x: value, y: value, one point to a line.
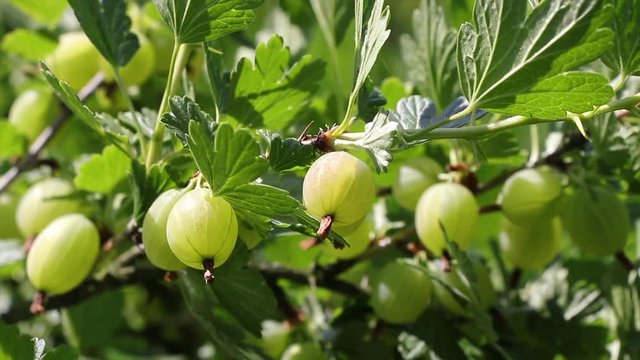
x: 514, y: 279
x: 325, y: 227
x: 37, y: 306
x: 624, y: 260
x: 28, y: 243
x: 208, y: 271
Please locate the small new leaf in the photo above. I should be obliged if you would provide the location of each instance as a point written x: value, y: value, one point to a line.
x: 108, y: 27
x: 183, y: 111
x: 101, y: 173
x: 229, y: 16
x: 378, y: 139
x: 507, y: 52
x: 270, y: 93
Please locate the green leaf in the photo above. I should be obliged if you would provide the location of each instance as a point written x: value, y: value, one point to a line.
x: 269, y: 93
x: 13, y: 345
x: 63, y: 352
x: 237, y: 159
x: 46, y: 12
x: 509, y: 53
x: 378, y: 139
x: 108, y: 27
x: 145, y: 187
x: 183, y: 111
x: 101, y: 173
x: 28, y: 44
x: 243, y: 292
x: 289, y: 154
x: 227, y: 337
x: 429, y: 54
x: 624, y: 56
x: 263, y: 200
x: 552, y: 98
x: 194, y: 21
x: 69, y: 97
x: 13, y: 143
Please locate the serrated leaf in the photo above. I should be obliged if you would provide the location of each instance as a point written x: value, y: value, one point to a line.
x: 270, y: 92
x: 508, y: 52
x: 13, y: 143
x: 101, y: 173
x: 429, y: 54
x: 146, y: 187
x: 378, y: 139
x: 28, y: 44
x: 13, y: 345
x: 183, y: 111
x: 624, y: 56
x: 244, y: 293
x: 200, y: 300
x: 416, y: 113
x: 289, y: 154
x: 194, y: 21
x: 108, y: 27
x: 46, y: 12
x: 264, y: 200
x: 69, y: 97
x: 237, y: 159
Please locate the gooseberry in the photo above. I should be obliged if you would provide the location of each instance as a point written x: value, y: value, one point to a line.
x: 32, y: 111
x: 532, y: 195
x: 414, y: 177
x: 450, y: 206
x: 597, y: 221
x: 154, y: 232
x: 533, y: 246
x: 358, y: 240
x: 400, y: 293
x: 339, y: 187
x: 75, y: 60
x: 37, y: 209
x: 63, y: 254
x: 140, y: 66
x: 202, y: 230
x: 304, y: 351
x: 8, y: 226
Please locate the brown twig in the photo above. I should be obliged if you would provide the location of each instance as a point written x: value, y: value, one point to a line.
x: 31, y: 159
x: 490, y: 208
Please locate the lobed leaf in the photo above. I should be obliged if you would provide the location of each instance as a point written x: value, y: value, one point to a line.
x: 624, y: 55
x: 101, y: 173
x: 289, y: 154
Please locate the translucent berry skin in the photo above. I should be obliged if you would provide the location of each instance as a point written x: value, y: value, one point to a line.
x: 35, y: 211
x: 32, y: 111
x: 415, y: 176
x: 531, y: 247
x: 358, y: 240
x: 75, y: 60
x: 400, y: 293
x: 532, y: 195
x: 63, y: 254
x: 154, y: 232
x: 483, y: 287
x: 455, y: 207
x: 597, y: 221
x: 8, y: 226
x: 202, y: 226
x: 340, y: 185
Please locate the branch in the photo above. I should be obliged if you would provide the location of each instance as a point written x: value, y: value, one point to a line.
x: 45, y: 136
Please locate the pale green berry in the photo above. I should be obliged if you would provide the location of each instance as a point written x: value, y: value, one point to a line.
x: 154, y: 232
x: 32, y: 111
x: 75, y: 60
x: 533, y: 246
x: 415, y: 176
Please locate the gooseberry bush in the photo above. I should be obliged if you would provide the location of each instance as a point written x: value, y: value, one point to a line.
x: 321, y: 179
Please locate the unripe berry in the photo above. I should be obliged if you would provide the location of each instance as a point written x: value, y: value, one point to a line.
x: 358, y: 240
x: 597, y: 221
x: 532, y: 195
x: 400, y: 293
x: 154, y: 232
x: 140, y: 66
x: 202, y: 230
x: 8, y: 226
x: 451, y: 206
x: 339, y: 185
x: 36, y: 210
x: 75, y: 60
x: 304, y: 351
x: 63, y: 254
x: 414, y: 177
x: 32, y: 111
x: 533, y: 246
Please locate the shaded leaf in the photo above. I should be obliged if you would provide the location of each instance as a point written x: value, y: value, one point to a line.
x: 146, y: 187
x: 289, y: 154
x: 13, y: 345
x: 624, y: 55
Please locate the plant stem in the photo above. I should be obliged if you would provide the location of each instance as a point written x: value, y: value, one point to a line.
x: 534, y: 135
x: 179, y: 58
